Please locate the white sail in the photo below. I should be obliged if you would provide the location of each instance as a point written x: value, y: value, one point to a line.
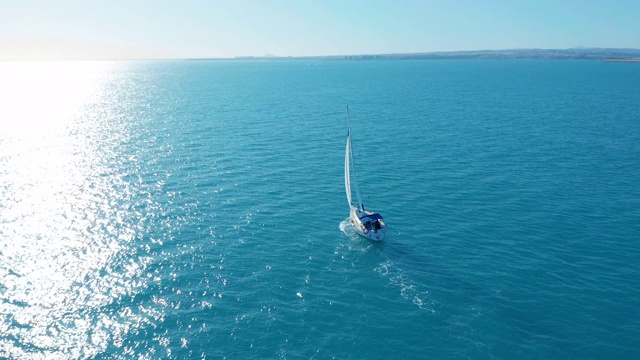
x: 347, y: 179
x: 348, y: 159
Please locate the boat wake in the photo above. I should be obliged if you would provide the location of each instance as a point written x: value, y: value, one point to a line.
x: 346, y: 227
x: 386, y: 268
x: 409, y: 290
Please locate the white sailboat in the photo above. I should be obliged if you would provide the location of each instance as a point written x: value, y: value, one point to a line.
x: 366, y: 223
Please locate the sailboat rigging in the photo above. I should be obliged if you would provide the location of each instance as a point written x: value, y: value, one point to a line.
x: 365, y: 223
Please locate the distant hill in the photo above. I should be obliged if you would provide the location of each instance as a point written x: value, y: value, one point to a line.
x: 573, y: 53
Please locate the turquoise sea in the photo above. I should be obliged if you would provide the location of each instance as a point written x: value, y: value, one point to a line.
x: 196, y: 209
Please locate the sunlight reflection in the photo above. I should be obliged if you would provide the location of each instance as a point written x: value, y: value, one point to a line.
x: 64, y: 222
x: 42, y: 97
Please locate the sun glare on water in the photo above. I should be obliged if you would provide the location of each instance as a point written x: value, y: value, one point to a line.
x: 40, y: 98
x: 62, y: 225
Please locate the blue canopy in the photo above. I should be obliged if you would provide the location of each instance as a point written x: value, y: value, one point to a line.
x: 371, y: 217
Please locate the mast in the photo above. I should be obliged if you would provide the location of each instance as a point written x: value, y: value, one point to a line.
x: 350, y: 155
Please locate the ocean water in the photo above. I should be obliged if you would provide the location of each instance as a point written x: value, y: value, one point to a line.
x: 196, y: 209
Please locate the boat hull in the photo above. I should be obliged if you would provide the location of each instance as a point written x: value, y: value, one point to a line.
x: 367, y: 228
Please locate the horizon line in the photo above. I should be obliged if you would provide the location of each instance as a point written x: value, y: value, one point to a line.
x: 362, y: 56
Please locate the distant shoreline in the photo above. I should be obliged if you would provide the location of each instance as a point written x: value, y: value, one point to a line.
x: 601, y: 54
x: 628, y: 55
x: 623, y: 60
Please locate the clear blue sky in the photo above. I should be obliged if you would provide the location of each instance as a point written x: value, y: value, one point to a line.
x: 89, y: 29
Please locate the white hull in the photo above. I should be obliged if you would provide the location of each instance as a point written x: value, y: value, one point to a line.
x: 372, y: 231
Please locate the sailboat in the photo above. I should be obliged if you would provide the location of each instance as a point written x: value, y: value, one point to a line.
x: 366, y: 223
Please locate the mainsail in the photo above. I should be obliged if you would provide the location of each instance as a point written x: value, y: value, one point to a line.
x: 347, y: 179
x: 348, y: 158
